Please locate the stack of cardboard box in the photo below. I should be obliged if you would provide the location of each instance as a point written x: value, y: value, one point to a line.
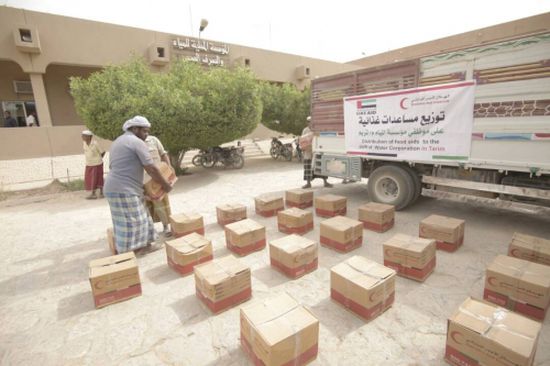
x: 530, y: 248
x: 330, y: 205
x: 185, y: 224
x: 377, y: 216
x: 447, y: 231
x: 268, y: 206
x: 279, y: 331
x: 230, y: 212
x: 114, y: 279
x: 341, y: 233
x: 295, y: 221
x: 245, y: 236
x: 363, y: 286
x: 293, y: 255
x: 411, y: 257
x: 479, y: 333
x: 186, y: 252
x: 518, y: 285
x: 223, y: 283
x: 300, y: 198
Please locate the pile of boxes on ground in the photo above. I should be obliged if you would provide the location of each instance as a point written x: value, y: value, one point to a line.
x: 280, y: 331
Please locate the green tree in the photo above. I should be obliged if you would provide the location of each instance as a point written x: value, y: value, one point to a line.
x: 189, y: 106
x: 285, y: 107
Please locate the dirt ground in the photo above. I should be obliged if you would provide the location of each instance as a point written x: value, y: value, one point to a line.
x: 47, y: 315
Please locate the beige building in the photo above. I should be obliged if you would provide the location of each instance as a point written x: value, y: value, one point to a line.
x: 39, y: 52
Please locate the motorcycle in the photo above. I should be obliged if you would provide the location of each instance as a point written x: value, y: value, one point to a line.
x: 231, y: 157
x: 197, y: 159
x: 278, y: 149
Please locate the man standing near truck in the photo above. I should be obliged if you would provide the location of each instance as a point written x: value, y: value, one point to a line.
x: 305, y: 142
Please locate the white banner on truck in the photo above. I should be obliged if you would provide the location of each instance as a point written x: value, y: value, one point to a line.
x: 427, y: 123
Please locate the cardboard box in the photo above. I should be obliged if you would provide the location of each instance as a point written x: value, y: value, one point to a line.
x: 114, y: 279
x: 223, y: 283
x: 301, y: 198
x: 447, y: 231
x: 293, y: 255
x: 279, y: 331
x: 518, y: 285
x: 377, y: 216
x: 184, y: 224
x: 245, y: 236
x: 411, y: 257
x: 184, y: 253
x: 341, y: 233
x: 230, y: 212
x: 330, y: 205
x: 363, y: 286
x: 268, y: 206
x: 111, y: 241
x: 295, y: 221
x: 153, y: 189
x: 479, y: 333
x: 530, y: 248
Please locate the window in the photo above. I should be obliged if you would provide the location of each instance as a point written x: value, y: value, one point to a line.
x: 246, y: 62
x: 25, y: 35
x: 160, y: 52
x: 307, y: 71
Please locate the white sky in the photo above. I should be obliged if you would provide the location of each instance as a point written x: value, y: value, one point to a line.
x: 333, y: 30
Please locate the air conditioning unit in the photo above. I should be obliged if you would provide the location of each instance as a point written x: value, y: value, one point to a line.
x: 302, y: 72
x: 159, y: 54
x: 22, y: 87
x: 26, y: 39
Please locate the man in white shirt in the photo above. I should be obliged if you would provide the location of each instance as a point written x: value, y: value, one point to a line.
x: 93, y: 175
x: 31, y: 120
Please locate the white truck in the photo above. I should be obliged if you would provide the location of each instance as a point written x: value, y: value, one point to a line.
x: 508, y: 160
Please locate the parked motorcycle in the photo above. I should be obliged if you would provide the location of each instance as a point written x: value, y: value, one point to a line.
x: 197, y: 159
x: 231, y: 157
x: 278, y: 149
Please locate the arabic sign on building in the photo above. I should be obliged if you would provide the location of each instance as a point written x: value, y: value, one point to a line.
x: 428, y: 123
x: 201, y: 51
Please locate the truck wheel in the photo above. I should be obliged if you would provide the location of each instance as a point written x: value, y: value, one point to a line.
x: 392, y: 185
x: 417, y: 180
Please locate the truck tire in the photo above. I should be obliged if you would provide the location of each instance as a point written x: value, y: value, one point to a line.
x: 391, y: 184
x: 417, y: 180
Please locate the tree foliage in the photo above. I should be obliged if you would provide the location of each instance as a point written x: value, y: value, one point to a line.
x: 188, y: 107
x: 285, y: 107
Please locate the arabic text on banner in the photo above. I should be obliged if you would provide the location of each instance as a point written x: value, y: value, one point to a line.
x: 427, y: 123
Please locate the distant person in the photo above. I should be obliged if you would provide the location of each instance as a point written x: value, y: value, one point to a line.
x: 31, y: 120
x: 93, y: 175
x: 129, y: 156
x: 160, y: 210
x: 9, y: 121
x: 307, y: 151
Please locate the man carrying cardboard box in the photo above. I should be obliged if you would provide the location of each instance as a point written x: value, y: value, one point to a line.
x: 129, y: 155
x: 159, y: 209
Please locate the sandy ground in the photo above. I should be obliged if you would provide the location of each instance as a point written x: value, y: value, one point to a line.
x: 47, y: 315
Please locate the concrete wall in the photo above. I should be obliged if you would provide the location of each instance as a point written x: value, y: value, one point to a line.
x: 61, y: 102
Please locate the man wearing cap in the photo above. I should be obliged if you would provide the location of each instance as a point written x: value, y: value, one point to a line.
x: 129, y: 156
x: 93, y: 175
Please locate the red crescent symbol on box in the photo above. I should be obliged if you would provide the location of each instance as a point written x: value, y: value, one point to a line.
x: 454, y: 336
x: 514, y: 253
x: 97, y: 285
x: 490, y: 280
x: 371, y: 295
x: 387, y: 252
x: 402, y: 103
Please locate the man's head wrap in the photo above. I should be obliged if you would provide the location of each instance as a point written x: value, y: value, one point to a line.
x: 137, y: 121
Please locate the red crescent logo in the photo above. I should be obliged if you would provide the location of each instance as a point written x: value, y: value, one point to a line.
x: 387, y: 252
x: 371, y: 296
x: 455, y: 336
x: 402, y: 103
x: 97, y: 285
x: 490, y: 280
x: 514, y: 253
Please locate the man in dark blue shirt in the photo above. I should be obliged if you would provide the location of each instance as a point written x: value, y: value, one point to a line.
x: 9, y: 121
